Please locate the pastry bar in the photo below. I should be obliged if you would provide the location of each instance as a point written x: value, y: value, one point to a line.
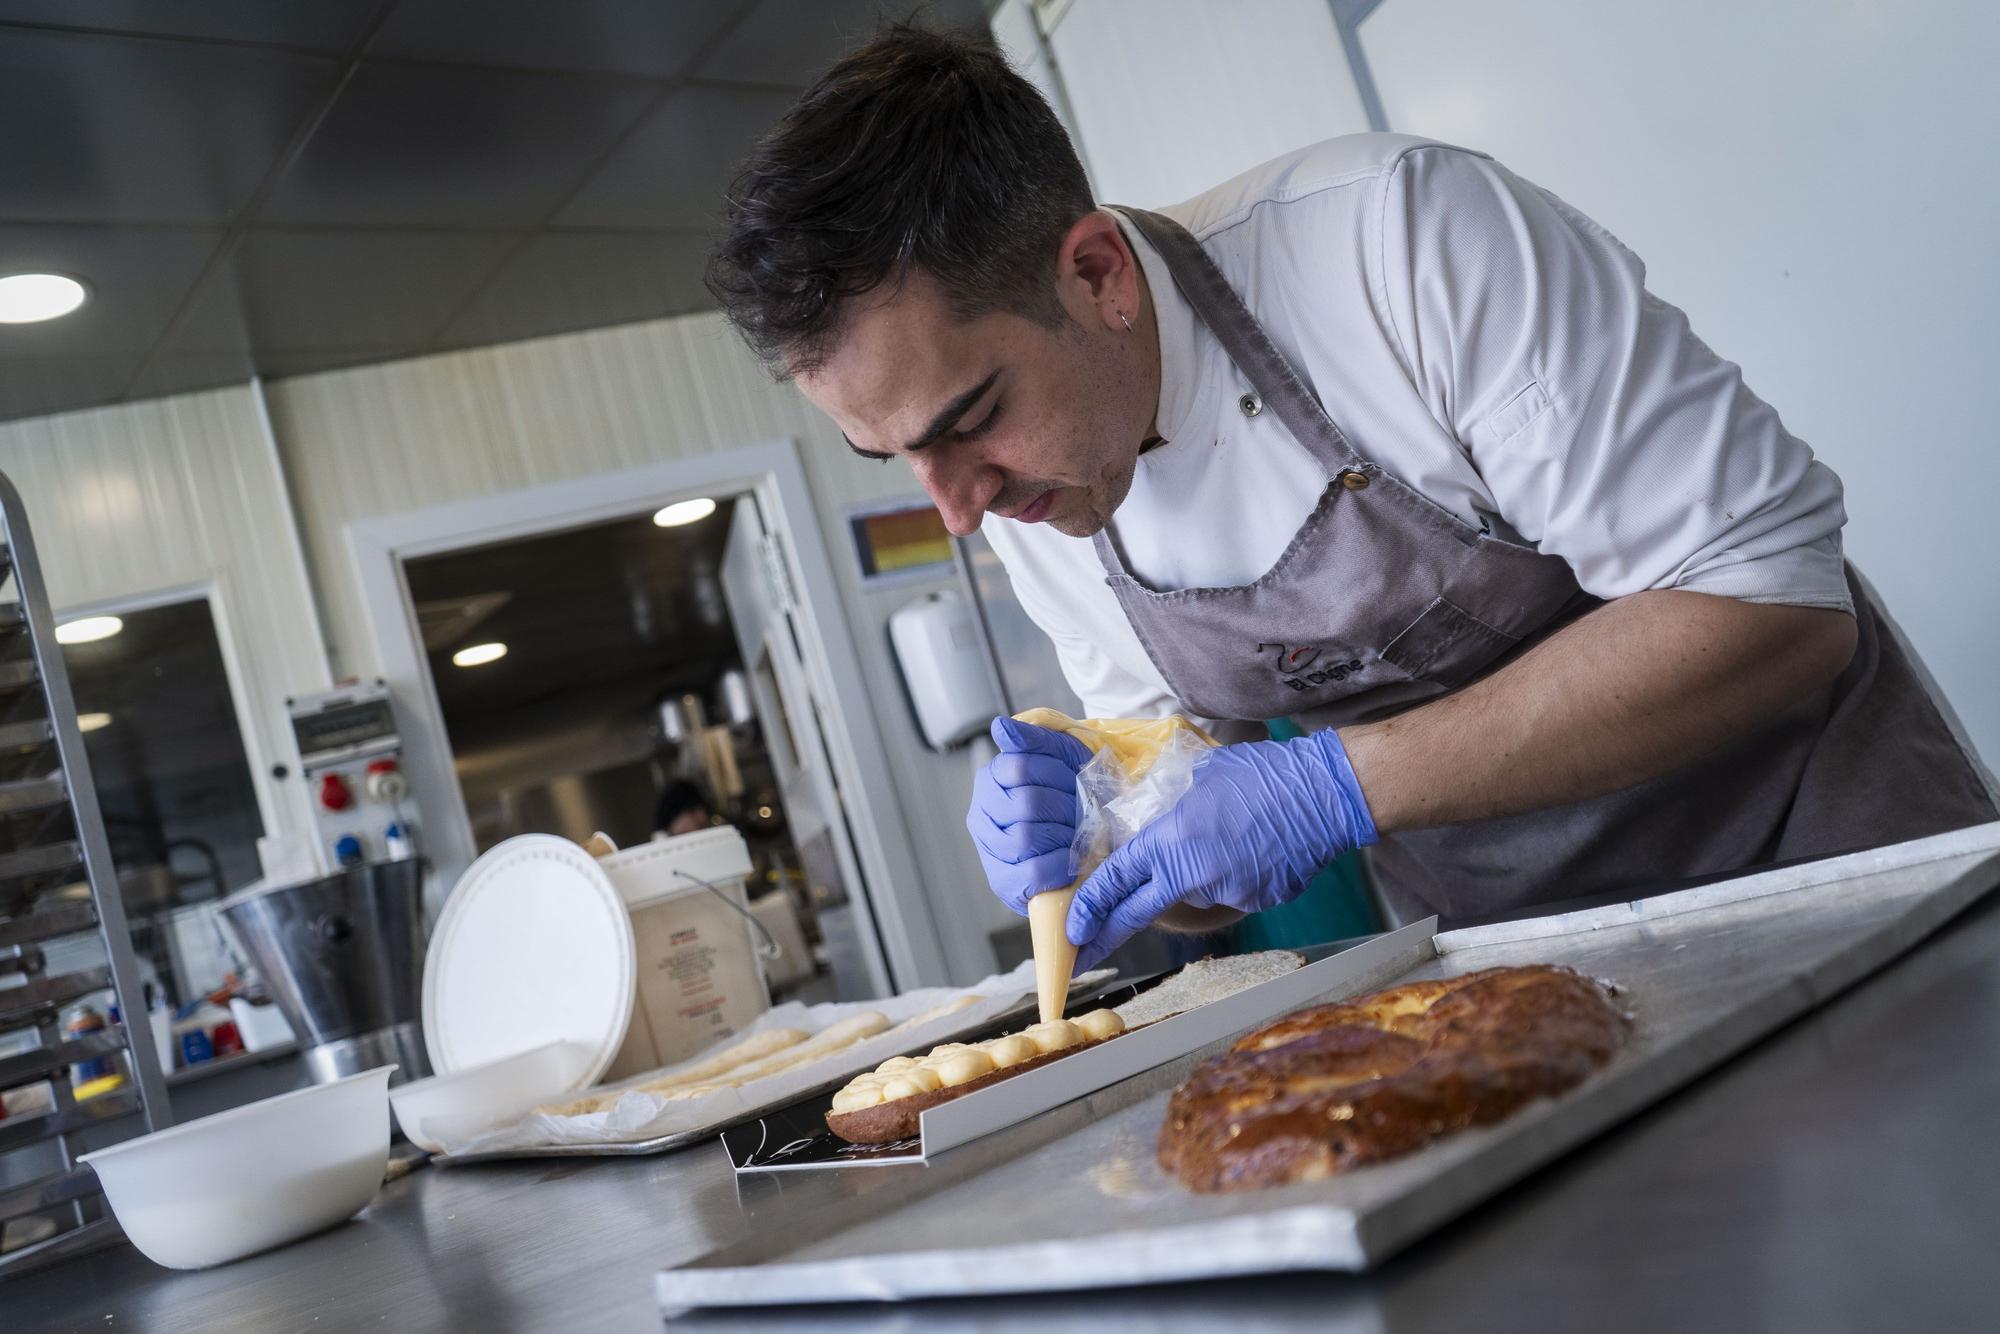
x: 769, y: 1052
x: 882, y: 1106
x: 774, y: 1051
x: 1337, y: 1086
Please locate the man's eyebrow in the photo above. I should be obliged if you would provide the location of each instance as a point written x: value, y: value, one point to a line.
x: 941, y: 423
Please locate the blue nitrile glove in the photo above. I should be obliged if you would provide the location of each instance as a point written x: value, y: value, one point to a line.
x: 1258, y: 822
x: 1024, y: 811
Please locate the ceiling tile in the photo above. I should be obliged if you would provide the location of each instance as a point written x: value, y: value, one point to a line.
x: 37, y: 386
x: 217, y: 318
x: 323, y: 25
x: 672, y: 172
x: 564, y: 281
x: 335, y: 289
x: 408, y: 222
x: 644, y: 37
x: 137, y: 277
x: 186, y: 372
x: 417, y: 145
x: 132, y: 130
x: 793, y: 41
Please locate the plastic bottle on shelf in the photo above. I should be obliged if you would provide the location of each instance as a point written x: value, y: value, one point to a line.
x: 195, y: 1046
x: 81, y: 1022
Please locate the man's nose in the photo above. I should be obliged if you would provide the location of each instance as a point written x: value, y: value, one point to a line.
x: 961, y: 490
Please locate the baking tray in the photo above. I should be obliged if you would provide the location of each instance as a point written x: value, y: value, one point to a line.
x: 839, y: 1074
x: 1705, y: 971
x: 795, y: 1138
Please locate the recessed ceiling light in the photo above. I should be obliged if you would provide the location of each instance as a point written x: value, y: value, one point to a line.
x: 91, y: 722
x: 88, y: 629
x: 26, y: 298
x: 478, y: 655
x: 684, y: 511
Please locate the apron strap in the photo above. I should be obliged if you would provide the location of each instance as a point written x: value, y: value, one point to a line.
x: 1107, y: 555
x: 1223, y: 311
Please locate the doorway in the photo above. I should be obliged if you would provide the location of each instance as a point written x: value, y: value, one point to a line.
x: 592, y: 680
x: 639, y: 654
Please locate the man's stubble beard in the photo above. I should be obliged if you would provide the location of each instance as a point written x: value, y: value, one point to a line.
x: 1101, y: 500
x: 1106, y: 443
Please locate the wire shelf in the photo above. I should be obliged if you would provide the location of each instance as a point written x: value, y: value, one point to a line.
x: 57, y: 883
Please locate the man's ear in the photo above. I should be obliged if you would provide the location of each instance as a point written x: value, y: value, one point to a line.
x: 1097, y: 273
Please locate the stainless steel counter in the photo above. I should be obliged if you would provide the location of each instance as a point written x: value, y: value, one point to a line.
x: 1843, y: 1175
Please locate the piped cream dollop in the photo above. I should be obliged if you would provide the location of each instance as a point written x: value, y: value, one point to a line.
x: 954, y: 1063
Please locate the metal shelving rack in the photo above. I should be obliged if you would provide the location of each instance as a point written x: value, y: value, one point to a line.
x: 57, y: 882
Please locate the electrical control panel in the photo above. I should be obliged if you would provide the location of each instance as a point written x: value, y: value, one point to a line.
x: 351, y: 760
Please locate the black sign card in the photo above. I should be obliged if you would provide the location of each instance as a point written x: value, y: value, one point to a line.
x: 795, y: 1135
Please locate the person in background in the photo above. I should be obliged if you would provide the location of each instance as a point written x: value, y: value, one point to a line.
x: 682, y: 809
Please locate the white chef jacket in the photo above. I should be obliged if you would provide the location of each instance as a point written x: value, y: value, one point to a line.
x: 1481, y: 341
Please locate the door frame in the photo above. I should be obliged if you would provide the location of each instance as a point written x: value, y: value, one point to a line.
x: 900, y: 924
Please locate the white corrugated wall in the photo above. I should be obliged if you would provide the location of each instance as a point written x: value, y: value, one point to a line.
x: 181, y: 493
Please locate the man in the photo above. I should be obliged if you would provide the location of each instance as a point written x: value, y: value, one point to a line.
x: 1377, y: 436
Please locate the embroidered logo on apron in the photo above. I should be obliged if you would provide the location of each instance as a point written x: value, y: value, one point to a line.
x: 1304, y: 667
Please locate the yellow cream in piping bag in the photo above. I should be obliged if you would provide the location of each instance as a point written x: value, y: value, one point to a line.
x: 1134, y: 743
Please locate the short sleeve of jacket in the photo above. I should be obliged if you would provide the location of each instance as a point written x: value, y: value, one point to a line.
x: 1605, y: 430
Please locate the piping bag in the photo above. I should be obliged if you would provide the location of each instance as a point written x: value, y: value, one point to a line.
x: 1138, y: 769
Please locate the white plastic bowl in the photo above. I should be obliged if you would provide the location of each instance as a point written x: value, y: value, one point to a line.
x: 491, y: 1093
x: 253, y: 1177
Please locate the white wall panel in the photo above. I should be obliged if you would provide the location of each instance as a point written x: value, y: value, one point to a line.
x: 1172, y: 97
x: 129, y: 501
x: 406, y: 435
x: 1814, y: 184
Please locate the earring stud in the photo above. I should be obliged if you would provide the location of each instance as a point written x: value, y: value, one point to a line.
x: 1124, y: 321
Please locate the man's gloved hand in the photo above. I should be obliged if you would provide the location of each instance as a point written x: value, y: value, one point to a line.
x: 1024, y: 811
x: 1260, y: 819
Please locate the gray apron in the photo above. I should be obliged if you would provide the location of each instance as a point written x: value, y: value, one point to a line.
x: 1384, y: 600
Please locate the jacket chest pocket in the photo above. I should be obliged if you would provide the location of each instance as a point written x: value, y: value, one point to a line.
x: 1448, y: 645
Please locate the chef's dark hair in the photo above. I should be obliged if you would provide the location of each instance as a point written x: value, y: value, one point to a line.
x: 921, y: 150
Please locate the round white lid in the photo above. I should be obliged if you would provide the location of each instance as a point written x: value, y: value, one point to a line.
x: 533, y: 946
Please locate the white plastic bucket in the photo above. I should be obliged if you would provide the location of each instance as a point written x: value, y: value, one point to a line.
x: 699, y: 977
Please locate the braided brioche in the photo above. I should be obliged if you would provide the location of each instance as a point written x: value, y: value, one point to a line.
x: 1336, y: 1086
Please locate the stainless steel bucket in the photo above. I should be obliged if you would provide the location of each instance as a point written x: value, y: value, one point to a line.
x: 344, y: 958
